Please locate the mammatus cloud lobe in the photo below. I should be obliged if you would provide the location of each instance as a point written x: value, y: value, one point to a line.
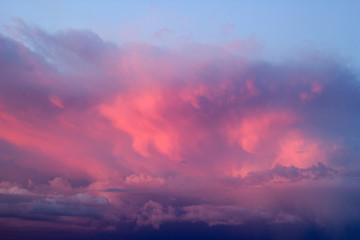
x: 93, y: 135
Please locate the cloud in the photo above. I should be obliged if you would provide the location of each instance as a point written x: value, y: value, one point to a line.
x: 60, y: 184
x: 153, y: 213
x: 15, y: 190
x: 143, y: 179
x: 215, y: 215
x: 284, y: 174
x: 23, y: 204
x: 145, y: 135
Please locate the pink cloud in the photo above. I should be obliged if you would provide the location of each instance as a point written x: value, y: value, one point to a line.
x: 126, y: 131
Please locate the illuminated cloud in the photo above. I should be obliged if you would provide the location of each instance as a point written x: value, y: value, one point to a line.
x: 144, y: 135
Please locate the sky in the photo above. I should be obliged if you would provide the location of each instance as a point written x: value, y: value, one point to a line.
x: 179, y: 119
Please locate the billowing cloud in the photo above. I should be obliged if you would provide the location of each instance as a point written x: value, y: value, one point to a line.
x: 136, y: 134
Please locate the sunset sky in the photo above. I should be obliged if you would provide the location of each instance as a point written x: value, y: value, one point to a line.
x: 179, y: 120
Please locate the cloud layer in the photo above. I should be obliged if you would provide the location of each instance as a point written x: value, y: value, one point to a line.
x: 93, y: 135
